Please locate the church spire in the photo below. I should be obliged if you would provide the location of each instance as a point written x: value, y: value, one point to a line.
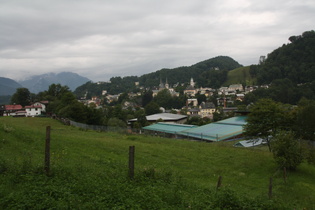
x: 166, y: 84
x: 192, y: 83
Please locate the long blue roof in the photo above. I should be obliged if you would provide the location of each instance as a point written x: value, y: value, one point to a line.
x: 217, y: 131
x: 172, y: 128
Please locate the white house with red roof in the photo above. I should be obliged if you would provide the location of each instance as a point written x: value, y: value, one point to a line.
x: 43, y: 104
x: 33, y: 110
x: 28, y: 111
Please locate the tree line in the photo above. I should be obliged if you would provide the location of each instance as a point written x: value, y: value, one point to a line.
x: 288, y: 130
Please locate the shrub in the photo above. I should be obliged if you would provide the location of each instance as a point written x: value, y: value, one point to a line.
x: 286, y: 150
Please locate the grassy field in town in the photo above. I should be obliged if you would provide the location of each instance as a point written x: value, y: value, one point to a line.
x: 240, y: 75
x: 90, y: 170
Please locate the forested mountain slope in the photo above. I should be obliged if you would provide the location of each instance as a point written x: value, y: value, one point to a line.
x: 208, y: 73
x: 294, y: 61
x: 290, y: 71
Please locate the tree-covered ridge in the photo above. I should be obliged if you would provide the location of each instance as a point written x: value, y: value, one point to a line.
x: 295, y: 61
x: 210, y: 73
x: 289, y: 71
x: 199, y: 71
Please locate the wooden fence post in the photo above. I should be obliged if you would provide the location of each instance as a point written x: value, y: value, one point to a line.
x: 131, y: 161
x: 47, y: 151
x: 270, y: 188
x: 219, y: 182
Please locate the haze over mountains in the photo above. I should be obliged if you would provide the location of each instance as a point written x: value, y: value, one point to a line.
x: 39, y: 83
x: 8, y: 86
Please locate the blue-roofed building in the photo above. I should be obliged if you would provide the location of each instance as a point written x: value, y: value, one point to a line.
x: 218, y: 131
x: 168, y: 128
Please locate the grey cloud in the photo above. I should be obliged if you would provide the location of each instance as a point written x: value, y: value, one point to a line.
x: 102, y: 38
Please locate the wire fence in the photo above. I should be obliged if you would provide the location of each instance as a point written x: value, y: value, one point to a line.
x: 102, y: 128
x: 177, y: 135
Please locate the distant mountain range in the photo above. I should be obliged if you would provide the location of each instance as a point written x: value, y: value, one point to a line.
x: 40, y: 83
x: 8, y: 86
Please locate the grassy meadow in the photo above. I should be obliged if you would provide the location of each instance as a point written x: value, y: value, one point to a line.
x: 240, y: 75
x: 89, y: 170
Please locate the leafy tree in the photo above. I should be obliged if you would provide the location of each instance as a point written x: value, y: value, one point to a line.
x: 142, y: 120
x: 305, y: 120
x: 122, y: 97
x: 56, y: 91
x: 75, y: 111
x: 201, y: 98
x: 173, y: 111
x: 152, y: 108
x: 22, y: 96
x: 266, y: 118
x: 286, y: 150
x: 119, y: 113
x: 218, y: 115
x: 194, y: 120
x: 164, y: 99
x: 197, y: 120
x: 147, y: 98
x: 115, y: 122
x: 183, y: 111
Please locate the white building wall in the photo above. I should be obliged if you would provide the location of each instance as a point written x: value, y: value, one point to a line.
x: 34, y: 111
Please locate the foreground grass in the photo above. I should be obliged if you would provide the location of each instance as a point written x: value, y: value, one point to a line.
x: 89, y: 170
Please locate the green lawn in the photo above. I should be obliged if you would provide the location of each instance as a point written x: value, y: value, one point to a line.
x: 240, y: 76
x: 89, y: 170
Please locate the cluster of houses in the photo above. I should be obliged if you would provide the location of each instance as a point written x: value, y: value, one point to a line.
x: 226, y: 97
x: 35, y: 109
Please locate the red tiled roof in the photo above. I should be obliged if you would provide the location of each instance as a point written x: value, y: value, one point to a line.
x: 44, y: 102
x: 12, y: 107
x: 33, y: 106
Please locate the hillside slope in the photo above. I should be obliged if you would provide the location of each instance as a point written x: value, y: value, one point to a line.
x: 240, y: 75
x: 294, y: 61
x: 209, y: 73
x: 89, y: 170
x: 8, y: 86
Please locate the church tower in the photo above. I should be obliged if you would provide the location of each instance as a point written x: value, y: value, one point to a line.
x: 161, y: 86
x: 192, y: 83
x: 166, y: 84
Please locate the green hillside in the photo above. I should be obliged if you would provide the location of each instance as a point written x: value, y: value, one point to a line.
x: 240, y: 75
x: 294, y: 61
x: 203, y: 72
x: 89, y: 171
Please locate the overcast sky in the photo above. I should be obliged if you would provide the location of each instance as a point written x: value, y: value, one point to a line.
x: 100, y: 39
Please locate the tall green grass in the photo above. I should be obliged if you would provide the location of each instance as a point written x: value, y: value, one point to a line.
x: 89, y: 170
